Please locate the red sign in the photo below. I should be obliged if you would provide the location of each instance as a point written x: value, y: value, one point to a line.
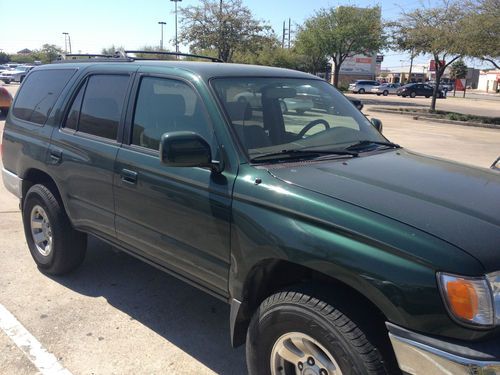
x: 432, y: 65
x: 460, y: 84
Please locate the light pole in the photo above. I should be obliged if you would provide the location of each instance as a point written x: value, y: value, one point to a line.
x: 65, y: 43
x: 161, y: 40
x: 176, y: 40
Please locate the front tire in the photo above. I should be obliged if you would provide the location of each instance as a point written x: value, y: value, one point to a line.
x: 361, y: 91
x: 292, y: 332
x: 385, y: 93
x: 413, y: 94
x: 55, y: 246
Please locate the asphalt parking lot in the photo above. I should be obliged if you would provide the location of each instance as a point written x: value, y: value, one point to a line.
x: 117, y: 315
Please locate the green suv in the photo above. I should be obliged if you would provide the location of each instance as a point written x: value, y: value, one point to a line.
x: 338, y: 251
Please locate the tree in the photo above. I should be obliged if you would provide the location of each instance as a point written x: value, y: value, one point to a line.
x: 47, y: 54
x: 436, y: 31
x: 308, y: 45
x: 224, y: 26
x: 343, y: 32
x: 458, y: 69
x: 482, y: 30
x: 112, y: 50
x: 4, y: 58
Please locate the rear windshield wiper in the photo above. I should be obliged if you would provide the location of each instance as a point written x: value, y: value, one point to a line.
x: 362, y: 144
x: 300, y: 153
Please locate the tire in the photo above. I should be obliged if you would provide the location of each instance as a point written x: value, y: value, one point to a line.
x: 314, y: 323
x: 413, y: 94
x: 61, y: 248
x: 6, y: 81
x: 427, y: 96
x: 361, y: 91
x: 385, y: 93
x: 378, y: 94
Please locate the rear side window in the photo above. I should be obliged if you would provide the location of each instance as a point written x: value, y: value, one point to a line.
x: 102, y: 105
x: 38, y: 94
x: 97, y: 108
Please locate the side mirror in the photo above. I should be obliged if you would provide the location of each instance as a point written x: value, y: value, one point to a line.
x: 377, y: 123
x: 496, y: 165
x: 187, y: 149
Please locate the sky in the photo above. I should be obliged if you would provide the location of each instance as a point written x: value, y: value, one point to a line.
x: 95, y: 24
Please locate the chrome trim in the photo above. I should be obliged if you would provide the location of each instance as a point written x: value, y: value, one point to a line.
x: 421, y: 359
x: 12, y: 183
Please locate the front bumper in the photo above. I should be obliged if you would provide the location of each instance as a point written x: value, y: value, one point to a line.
x: 419, y: 355
x: 12, y: 183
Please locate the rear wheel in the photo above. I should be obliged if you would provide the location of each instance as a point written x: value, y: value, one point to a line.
x: 54, y: 245
x: 385, y: 93
x: 361, y: 91
x: 296, y: 333
x: 413, y: 94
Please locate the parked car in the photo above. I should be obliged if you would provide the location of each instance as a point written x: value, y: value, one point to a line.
x: 417, y: 89
x: 5, y: 100
x: 299, y: 103
x: 337, y: 250
x: 16, y: 75
x: 362, y: 86
x: 386, y: 89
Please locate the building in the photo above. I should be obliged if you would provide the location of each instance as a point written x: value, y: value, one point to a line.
x: 489, y: 81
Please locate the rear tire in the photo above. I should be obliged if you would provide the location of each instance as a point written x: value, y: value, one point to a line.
x: 413, y: 94
x: 293, y: 331
x: 361, y: 91
x: 55, y: 246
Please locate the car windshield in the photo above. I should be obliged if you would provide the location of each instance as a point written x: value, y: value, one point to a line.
x: 273, y: 115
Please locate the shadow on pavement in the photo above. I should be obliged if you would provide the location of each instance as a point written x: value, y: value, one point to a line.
x: 192, y: 320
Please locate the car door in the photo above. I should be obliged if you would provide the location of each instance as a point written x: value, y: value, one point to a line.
x: 84, y: 149
x: 178, y: 218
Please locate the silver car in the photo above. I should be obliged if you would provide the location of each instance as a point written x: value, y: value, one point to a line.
x: 16, y: 75
x: 386, y: 89
x: 362, y: 86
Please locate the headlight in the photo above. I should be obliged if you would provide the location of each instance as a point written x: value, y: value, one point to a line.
x: 469, y: 299
x: 494, y: 280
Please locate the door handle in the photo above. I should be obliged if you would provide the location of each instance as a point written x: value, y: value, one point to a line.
x: 128, y: 176
x: 55, y: 156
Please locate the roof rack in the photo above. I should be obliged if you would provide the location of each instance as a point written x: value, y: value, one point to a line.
x: 125, y: 54
x: 75, y: 56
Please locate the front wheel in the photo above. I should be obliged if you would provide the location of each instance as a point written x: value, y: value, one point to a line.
x: 296, y: 333
x: 385, y: 93
x: 54, y: 245
x: 413, y: 94
x: 361, y: 91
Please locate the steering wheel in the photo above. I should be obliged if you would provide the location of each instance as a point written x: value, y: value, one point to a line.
x: 311, y: 125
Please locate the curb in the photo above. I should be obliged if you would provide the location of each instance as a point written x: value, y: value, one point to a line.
x: 417, y: 116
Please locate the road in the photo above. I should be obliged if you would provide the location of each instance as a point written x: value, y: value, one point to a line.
x: 485, y: 106
x: 117, y: 315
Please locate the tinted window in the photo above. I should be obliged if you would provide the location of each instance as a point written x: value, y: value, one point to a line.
x: 38, y: 94
x: 102, y: 105
x: 165, y: 105
x: 74, y: 112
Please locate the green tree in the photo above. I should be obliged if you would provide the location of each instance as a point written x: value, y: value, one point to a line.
x: 458, y: 69
x: 4, y: 58
x: 227, y: 27
x: 310, y: 46
x: 436, y: 31
x: 343, y: 32
x: 112, y: 50
x: 47, y: 54
x: 482, y: 30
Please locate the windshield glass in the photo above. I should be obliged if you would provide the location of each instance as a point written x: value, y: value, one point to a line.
x: 271, y: 115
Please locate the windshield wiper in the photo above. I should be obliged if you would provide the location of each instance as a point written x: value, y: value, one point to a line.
x: 300, y: 153
x: 364, y: 143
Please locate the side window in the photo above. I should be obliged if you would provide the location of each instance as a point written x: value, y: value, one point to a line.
x: 39, y: 93
x: 102, y: 105
x: 74, y: 112
x: 165, y: 105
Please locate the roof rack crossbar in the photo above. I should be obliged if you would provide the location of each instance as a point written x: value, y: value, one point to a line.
x: 213, y: 59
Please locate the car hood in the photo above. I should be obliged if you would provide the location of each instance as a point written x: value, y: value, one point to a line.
x: 454, y: 202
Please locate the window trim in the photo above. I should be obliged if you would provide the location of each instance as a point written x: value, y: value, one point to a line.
x: 134, y: 96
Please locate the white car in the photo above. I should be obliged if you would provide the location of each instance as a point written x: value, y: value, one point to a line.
x: 16, y: 75
x: 362, y: 86
x: 386, y: 89
x: 300, y: 103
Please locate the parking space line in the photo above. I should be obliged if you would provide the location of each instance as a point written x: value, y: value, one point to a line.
x: 44, y: 361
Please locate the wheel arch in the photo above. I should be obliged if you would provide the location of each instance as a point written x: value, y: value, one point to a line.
x: 33, y: 176
x: 271, y: 275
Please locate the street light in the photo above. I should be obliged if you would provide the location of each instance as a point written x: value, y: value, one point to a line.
x: 176, y: 40
x: 65, y: 43
x: 161, y: 40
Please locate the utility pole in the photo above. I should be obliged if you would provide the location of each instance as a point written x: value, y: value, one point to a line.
x: 221, y: 35
x: 65, y: 43
x: 289, y: 32
x: 161, y: 23
x: 69, y: 42
x: 176, y: 40
x: 412, y: 56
